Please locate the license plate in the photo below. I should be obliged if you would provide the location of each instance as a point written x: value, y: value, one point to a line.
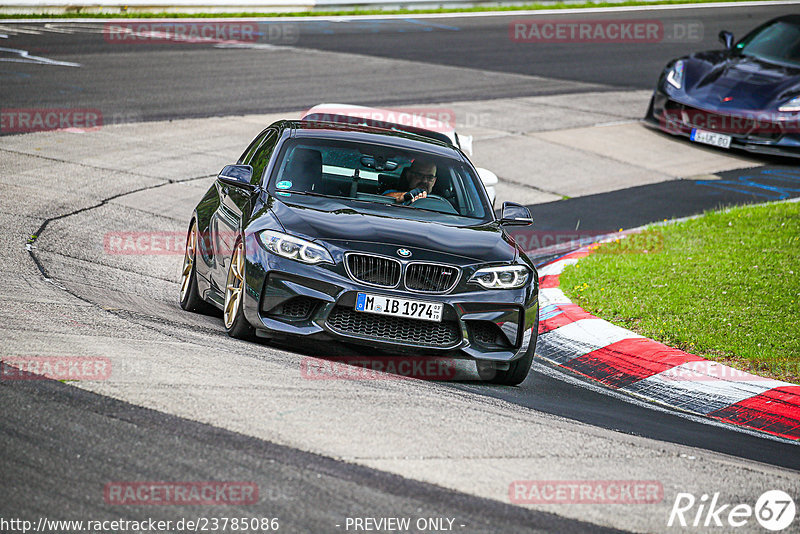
x: 711, y: 138
x: 383, y: 305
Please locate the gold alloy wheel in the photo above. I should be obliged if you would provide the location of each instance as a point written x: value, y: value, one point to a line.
x: 188, y: 261
x: 233, y: 289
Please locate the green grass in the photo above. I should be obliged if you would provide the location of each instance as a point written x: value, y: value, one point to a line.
x: 723, y: 286
x: 77, y: 13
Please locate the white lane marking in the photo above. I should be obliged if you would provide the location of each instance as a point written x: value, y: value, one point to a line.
x: 255, y: 46
x: 25, y: 57
x: 718, y: 371
x: 579, y: 338
x: 557, y: 267
x: 596, y: 332
x: 696, y: 392
x: 14, y: 30
x: 703, y: 386
x: 552, y: 295
x: 56, y: 29
x: 73, y: 27
x: 637, y: 400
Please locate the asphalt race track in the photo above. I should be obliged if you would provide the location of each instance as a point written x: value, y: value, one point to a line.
x: 434, y: 60
x: 559, y: 125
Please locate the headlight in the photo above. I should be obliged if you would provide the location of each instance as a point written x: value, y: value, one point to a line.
x: 504, y: 277
x: 294, y: 248
x: 675, y: 75
x: 791, y: 105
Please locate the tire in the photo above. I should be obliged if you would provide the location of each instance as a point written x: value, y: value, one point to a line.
x: 518, y: 370
x: 236, y: 324
x: 189, y: 298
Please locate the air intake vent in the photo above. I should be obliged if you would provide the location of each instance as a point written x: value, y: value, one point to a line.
x: 431, y: 277
x: 344, y: 320
x: 487, y: 334
x: 295, y: 308
x: 373, y: 270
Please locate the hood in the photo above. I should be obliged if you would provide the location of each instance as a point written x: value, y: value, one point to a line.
x: 727, y: 80
x: 356, y: 225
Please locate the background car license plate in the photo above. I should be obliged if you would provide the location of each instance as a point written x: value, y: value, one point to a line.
x: 429, y: 311
x: 711, y: 138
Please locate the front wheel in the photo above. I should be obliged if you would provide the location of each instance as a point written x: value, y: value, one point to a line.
x: 236, y: 324
x: 518, y: 370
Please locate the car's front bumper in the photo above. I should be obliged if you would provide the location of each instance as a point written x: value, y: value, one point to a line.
x: 289, y: 298
x: 678, y: 116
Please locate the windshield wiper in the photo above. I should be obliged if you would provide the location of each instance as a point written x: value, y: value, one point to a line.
x: 312, y: 194
x: 395, y: 204
x: 315, y: 194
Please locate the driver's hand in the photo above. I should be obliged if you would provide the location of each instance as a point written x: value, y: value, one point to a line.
x: 419, y: 196
x: 399, y: 195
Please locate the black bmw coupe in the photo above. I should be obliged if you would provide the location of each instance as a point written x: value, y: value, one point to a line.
x: 746, y: 96
x: 319, y: 231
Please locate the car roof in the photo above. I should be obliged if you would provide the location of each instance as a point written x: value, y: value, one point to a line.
x: 370, y: 134
x: 396, y: 120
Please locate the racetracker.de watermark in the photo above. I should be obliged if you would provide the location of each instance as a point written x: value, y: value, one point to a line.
x: 207, y: 493
x: 85, y: 368
x: 167, y: 243
x: 378, y: 368
x: 204, y: 32
x: 613, y: 241
x: 705, y: 370
x: 145, y: 243
x: 604, y: 31
x: 739, y: 123
x: 586, y: 492
x: 429, y: 118
x: 28, y: 120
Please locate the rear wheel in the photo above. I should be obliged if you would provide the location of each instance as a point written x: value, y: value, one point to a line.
x: 190, y: 298
x: 232, y: 313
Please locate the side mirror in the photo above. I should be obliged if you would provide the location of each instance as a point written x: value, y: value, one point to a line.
x: 237, y: 175
x: 726, y: 38
x: 514, y: 214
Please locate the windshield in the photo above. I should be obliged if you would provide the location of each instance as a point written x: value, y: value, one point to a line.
x: 379, y: 174
x: 779, y: 42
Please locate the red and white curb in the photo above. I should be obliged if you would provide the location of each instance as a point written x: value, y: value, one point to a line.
x: 573, y: 339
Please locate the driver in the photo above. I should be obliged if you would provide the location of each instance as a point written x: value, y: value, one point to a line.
x: 420, y: 177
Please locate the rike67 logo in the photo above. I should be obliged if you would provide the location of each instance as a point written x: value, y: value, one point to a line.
x: 774, y: 510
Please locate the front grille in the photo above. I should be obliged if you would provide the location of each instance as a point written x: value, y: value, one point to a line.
x: 737, y: 124
x: 394, y: 329
x: 374, y: 270
x: 487, y: 333
x: 430, y: 277
x: 295, y: 308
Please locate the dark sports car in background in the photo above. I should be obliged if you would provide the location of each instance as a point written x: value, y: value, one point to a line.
x: 298, y: 239
x: 746, y: 96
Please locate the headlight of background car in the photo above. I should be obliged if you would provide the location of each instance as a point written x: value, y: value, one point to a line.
x: 294, y: 248
x: 791, y: 105
x: 675, y: 75
x: 503, y: 277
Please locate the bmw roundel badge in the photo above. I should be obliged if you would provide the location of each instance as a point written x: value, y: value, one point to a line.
x: 404, y: 252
